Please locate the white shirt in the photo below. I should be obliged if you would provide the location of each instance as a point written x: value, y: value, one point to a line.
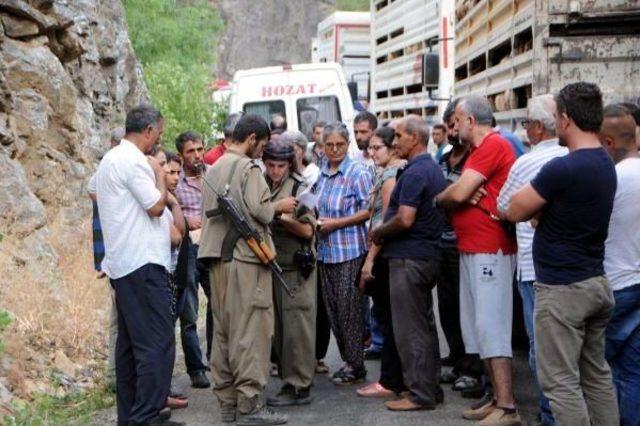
x: 126, y: 188
x: 622, y: 248
x: 311, y: 173
x: 91, y: 186
x: 167, y: 218
x: 522, y: 172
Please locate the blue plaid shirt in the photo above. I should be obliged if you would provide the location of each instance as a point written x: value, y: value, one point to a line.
x: 343, y: 194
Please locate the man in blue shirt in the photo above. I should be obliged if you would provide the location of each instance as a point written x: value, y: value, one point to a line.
x: 410, y: 236
x: 573, y: 198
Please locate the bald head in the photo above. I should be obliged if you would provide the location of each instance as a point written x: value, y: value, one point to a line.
x: 618, y: 132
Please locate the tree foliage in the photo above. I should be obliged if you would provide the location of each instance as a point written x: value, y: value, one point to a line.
x: 174, y: 41
x: 353, y: 5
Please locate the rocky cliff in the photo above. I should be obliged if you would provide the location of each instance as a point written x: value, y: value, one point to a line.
x: 67, y: 75
x: 261, y: 33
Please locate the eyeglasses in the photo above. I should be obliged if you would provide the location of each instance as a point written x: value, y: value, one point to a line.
x: 335, y: 146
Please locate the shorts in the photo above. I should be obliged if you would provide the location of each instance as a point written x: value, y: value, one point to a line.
x: 486, y: 303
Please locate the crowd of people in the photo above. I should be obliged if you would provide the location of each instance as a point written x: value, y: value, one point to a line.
x: 364, y: 241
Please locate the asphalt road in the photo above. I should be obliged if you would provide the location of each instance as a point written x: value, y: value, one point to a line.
x: 339, y: 405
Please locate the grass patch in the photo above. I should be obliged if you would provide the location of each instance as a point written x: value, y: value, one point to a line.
x: 75, y: 408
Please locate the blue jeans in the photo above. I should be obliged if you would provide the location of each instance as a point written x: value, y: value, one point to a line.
x: 527, y: 293
x: 371, y: 325
x: 187, y: 307
x: 622, y: 351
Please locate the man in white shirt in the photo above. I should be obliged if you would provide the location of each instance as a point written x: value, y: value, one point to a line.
x: 541, y: 130
x: 622, y: 261
x: 132, y: 196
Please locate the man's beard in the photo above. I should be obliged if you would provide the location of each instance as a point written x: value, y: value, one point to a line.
x: 454, y: 140
x: 197, y: 168
x: 362, y: 145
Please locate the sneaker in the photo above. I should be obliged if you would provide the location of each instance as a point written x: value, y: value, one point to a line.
x: 263, y: 416
x: 502, y: 417
x: 199, y: 380
x: 465, y: 383
x: 289, y: 396
x: 447, y: 361
x: 448, y: 377
x: 227, y: 413
x: 479, y: 413
x: 321, y: 367
x: 349, y: 376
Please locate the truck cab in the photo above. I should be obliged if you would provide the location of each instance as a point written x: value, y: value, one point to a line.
x: 302, y: 93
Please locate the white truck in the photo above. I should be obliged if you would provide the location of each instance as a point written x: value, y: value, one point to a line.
x: 403, y: 34
x: 302, y: 93
x: 344, y: 37
x: 511, y: 50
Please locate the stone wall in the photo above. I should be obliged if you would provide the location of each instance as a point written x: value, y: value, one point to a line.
x: 67, y: 75
x: 261, y: 33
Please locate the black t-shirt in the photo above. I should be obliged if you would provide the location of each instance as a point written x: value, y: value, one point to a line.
x: 418, y: 183
x: 579, y: 188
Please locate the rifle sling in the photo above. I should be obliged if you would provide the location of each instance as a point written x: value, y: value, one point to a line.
x: 233, y: 235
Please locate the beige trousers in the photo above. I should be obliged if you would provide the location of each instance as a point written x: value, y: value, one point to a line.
x: 242, y: 305
x: 570, y: 322
x: 295, y: 329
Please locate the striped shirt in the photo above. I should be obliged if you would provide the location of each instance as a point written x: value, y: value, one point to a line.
x: 343, y: 194
x: 523, y: 171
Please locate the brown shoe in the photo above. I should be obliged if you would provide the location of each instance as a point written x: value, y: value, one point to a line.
x: 405, y: 404
x: 480, y: 412
x: 498, y: 417
x: 375, y: 390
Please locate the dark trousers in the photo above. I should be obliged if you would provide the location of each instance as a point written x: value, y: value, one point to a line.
x: 323, y: 329
x: 390, y: 365
x: 414, y: 326
x: 188, y: 313
x: 622, y: 349
x: 145, y: 348
x: 449, y: 308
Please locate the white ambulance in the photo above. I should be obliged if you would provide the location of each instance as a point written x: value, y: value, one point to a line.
x: 302, y: 93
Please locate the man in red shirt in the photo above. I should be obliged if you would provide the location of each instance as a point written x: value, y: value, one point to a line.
x: 487, y: 256
x: 216, y: 152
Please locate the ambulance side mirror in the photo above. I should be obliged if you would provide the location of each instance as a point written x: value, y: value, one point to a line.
x: 353, y: 90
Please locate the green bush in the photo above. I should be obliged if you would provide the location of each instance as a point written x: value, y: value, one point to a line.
x: 5, y: 320
x: 174, y: 41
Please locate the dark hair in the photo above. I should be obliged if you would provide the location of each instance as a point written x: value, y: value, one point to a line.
x: 230, y: 124
x: 582, y: 102
x: 633, y: 109
x: 185, y: 137
x: 141, y: 117
x: 439, y: 126
x: 368, y: 117
x: 449, y: 110
x: 172, y: 156
x: 251, y: 124
x: 319, y: 124
x: 386, y: 134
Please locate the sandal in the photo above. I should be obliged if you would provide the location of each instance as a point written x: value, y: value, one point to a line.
x: 349, y: 376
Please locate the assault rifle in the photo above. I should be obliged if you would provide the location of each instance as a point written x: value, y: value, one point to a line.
x: 242, y: 228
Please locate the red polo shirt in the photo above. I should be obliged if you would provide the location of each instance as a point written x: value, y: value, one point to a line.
x: 477, y: 232
x: 213, y: 154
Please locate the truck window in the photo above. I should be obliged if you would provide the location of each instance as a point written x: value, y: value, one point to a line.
x: 317, y: 108
x: 265, y: 109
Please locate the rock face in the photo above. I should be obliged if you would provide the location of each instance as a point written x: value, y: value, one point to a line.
x: 67, y: 76
x: 261, y: 33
